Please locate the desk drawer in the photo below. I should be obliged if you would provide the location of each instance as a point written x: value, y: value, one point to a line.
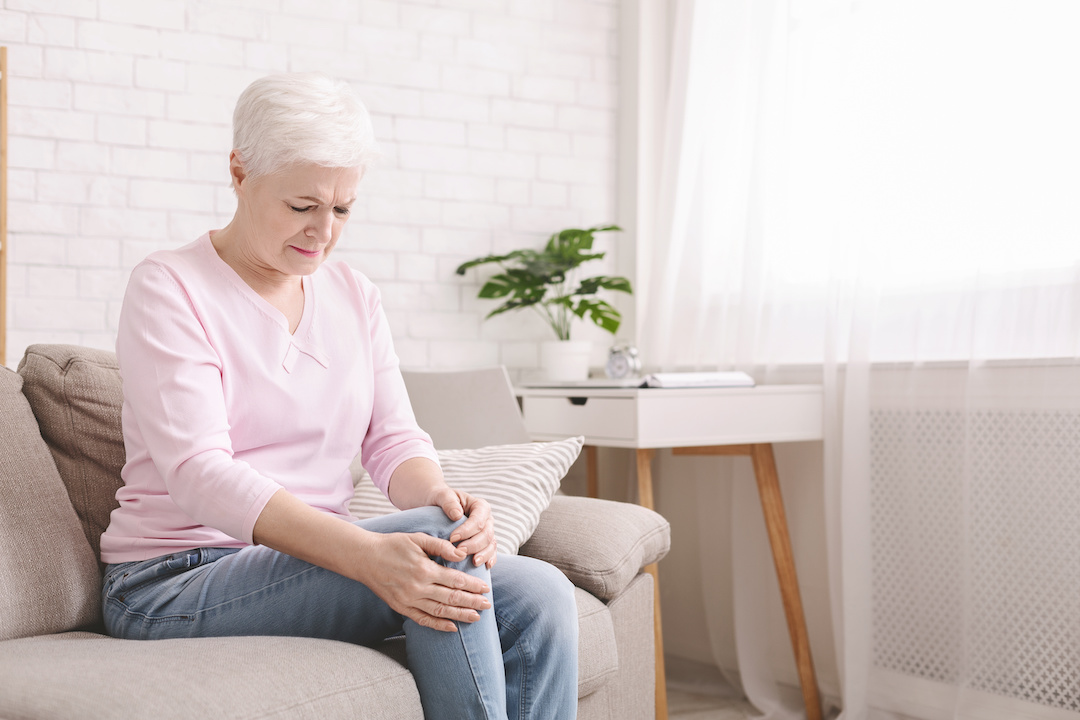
x: 594, y: 417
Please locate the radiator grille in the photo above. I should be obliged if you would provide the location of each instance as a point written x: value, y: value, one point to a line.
x: 976, y: 550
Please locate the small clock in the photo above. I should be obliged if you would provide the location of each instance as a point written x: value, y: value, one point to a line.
x: 623, y: 362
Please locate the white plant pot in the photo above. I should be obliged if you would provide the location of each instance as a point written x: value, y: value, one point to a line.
x: 565, y: 359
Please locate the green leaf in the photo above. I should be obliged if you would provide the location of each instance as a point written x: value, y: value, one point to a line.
x: 601, y: 313
x: 590, y: 286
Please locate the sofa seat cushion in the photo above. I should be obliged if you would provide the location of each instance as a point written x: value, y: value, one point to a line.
x: 49, y: 579
x: 87, y: 675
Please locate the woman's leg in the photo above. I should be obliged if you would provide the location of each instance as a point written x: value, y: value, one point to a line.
x: 258, y: 591
x: 538, y: 629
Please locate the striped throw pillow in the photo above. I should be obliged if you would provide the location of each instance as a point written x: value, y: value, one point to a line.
x: 516, y: 480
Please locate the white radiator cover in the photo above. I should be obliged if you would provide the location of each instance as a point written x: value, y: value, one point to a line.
x: 976, y: 552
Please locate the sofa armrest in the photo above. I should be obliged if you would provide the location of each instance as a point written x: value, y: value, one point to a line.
x: 599, y: 544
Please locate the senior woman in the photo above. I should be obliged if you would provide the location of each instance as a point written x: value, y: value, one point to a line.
x: 254, y: 371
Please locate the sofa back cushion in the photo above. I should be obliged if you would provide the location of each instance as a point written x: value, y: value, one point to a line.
x: 76, y: 395
x: 49, y: 579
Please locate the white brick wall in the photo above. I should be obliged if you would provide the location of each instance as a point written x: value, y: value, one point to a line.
x: 497, y: 118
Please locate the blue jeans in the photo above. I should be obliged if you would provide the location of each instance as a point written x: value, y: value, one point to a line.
x: 519, y: 658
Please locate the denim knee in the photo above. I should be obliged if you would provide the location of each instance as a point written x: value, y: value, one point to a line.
x: 429, y: 520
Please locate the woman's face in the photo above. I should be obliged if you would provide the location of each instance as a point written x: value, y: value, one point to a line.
x: 296, y: 215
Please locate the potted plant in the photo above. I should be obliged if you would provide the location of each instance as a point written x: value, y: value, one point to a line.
x: 545, y: 280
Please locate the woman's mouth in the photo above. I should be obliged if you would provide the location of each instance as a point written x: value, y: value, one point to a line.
x: 307, y: 253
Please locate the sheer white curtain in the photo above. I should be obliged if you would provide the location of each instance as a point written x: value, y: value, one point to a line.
x: 888, y: 190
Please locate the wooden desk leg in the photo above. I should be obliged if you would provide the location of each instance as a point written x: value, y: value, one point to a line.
x: 592, y: 480
x: 645, y: 499
x: 776, y: 523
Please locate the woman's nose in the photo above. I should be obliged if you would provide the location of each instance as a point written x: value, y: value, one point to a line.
x: 322, y: 226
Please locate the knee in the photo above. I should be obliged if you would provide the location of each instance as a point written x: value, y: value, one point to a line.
x: 429, y: 520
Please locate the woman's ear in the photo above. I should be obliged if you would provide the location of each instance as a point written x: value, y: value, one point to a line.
x: 236, y: 171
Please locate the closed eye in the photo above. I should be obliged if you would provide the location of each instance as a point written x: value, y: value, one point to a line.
x: 301, y: 209
x: 341, y: 211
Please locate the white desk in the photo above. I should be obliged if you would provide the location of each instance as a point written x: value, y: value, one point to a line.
x: 699, y: 421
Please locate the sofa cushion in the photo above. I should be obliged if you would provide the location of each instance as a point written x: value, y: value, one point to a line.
x: 91, y: 676
x: 49, y: 579
x: 599, y: 544
x: 76, y: 396
x: 517, y: 480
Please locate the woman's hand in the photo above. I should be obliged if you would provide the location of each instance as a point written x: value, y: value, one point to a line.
x: 475, y: 536
x: 399, y: 569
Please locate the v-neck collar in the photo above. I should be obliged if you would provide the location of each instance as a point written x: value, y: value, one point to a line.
x: 301, y: 341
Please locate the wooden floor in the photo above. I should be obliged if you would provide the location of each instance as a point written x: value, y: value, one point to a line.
x: 699, y: 692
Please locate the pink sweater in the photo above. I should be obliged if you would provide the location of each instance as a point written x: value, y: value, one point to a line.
x: 223, y: 407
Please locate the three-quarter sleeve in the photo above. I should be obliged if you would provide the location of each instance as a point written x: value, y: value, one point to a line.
x: 393, y: 435
x: 174, y: 405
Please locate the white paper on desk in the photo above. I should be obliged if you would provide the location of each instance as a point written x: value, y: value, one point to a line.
x: 699, y: 379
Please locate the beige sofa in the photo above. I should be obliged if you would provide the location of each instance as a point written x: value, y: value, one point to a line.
x: 59, y: 469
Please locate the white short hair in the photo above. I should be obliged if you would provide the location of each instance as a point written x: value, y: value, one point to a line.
x: 281, y: 120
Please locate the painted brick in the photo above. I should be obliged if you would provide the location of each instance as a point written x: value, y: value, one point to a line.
x: 403, y: 73
x: 45, y: 93
x: 459, y: 187
x: 475, y: 215
x: 22, y: 184
x: 513, y: 192
x: 126, y: 101
x: 189, y: 136
x: 215, y: 19
x: 50, y: 30
x: 455, y: 106
x: 94, y: 256
x: 42, y: 218
x: 388, y: 182
x: 406, y: 210
x: 29, y: 248
x: 49, y: 123
x: 533, y: 9
x: 502, y: 164
x: 383, y: 13
x: 440, y: 240
x: 72, y: 8
x: 519, y: 354
x: 541, y: 219
x: 490, y: 55
x: 438, y: 48
x: 538, y: 141
x: 456, y: 354
x: 572, y: 65
x: 438, y: 132
x: 444, y: 325
x: 88, y: 66
x: 411, y: 353
x: 59, y: 313
x: 545, y: 89
x: 199, y: 107
x: 108, y: 191
x: 307, y: 30
x: 146, y: 162
x: 13, y: 27
x: 375, y: 265
x: 112, y: 37
x: 266, y: 57
x: 120, y: 130
x: 186, y: 226
x: 433, y: 157
x: 550, y: 194
x: 121, y: 223
x: 187, y: 46
x: 393, y: 238
x: 390, y: 100
x: 171, y: 195
x: 472, y: 81
x: 52, y: 282
x: 64, y: 187
x: 26, y: 61
x: 486, y: 136
x: 168, y: 14
x: 74, y: 156
x: 522, y: 113
x: 570, y: 169
x: 383, y: 41
x: 160, y: 74
x: 434, y: 20
x: 416, y: 267
x: 341, y: 11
